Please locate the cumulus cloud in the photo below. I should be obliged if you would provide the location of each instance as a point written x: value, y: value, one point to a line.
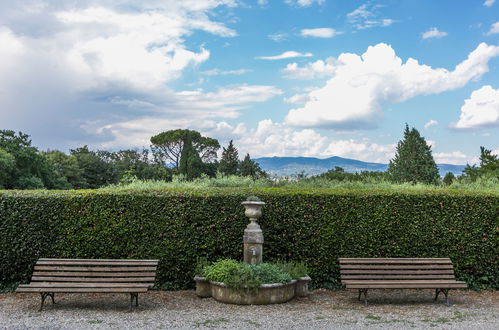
x: 91, y: 66
x: 191, y: 109
x: 285, y: 55
x: 455, y: 157
x: 480, y: 110
x: 277, y: 139
x: 430, y: 123
x: 354, y: 96
x: 367, y: 16
x: 303, y: 3
x: 489, y: 3
x: 320, y: 33
x: 433, y: 33
x: 218, y: 72
x: 494, y: 28
x: 313, y: 70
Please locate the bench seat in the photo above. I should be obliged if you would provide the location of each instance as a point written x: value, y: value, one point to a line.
x: 52, y: 276
x: 399, y: 273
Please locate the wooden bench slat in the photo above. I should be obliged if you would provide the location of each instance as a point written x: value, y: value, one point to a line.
x: 95, y: 274
x: 396, y: 271
x: 407, y: 286
x: 398, y: 281
x: 82, y: 285
x: 99, y: 260
x: 394, y: 260
x: 96, y: 269
x: 396, y: 266
x: 84, y: 290
x: 92, y: 279
x: 95, y: 263
x: 400, y: 276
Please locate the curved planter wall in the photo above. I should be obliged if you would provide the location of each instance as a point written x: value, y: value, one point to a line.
x: 266, y: 294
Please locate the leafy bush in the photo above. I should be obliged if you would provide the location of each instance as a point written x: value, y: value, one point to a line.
x: 241, y: 276
x: 296, y: 269
x: 312, y: 225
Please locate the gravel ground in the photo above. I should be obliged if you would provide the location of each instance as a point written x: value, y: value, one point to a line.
x: 323, y: 309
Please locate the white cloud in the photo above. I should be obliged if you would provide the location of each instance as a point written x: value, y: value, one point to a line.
x: 298, y: 98
x: 430, y: 123
x: 287, y: 54
x: 320, y: 33
x: 480, y: 110
x: 353, y: 97
x: 494, y: 28
x: 489, y: 3
x: 455, y: 157
x: 218, y: 72
x: 303, y: 3
x: 88, y: 63
x: 366, y: 17
x: 262, y: 2
x: 313, y: 70
x: 277, y: 139
x: 278, y: 37
x: 189, y: 109
x: 433, y: 33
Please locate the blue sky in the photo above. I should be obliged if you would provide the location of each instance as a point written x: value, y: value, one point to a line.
x: 316, y: 78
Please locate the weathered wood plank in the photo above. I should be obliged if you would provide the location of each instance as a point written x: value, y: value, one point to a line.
x: 99, y: 260
x: 84, y: 290
x: 407, y: 286
x: 397, y: 277
x: 91, y: 279
x: 396, y: 271
x: 95, y: 263
x: 95, y: 274
x: 389, y: 282
x: 82, y: 285
x: 394, y: 260
x: 396, y: 267
x: 96, y: 269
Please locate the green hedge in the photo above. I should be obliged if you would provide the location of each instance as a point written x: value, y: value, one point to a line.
x: 312, y: 225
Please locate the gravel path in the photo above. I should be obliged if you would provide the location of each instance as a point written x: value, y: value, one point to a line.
x: 323, y: 309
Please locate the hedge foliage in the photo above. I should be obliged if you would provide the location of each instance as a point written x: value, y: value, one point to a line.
x: 316, y: 226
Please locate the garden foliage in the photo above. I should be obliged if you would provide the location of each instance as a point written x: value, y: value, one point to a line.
x: 315, y: 226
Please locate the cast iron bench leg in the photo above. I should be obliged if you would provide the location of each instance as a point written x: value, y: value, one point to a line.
x: 364, y: 291
x: 132, y: 296
x: 445, y: 292
x: 44, y: 296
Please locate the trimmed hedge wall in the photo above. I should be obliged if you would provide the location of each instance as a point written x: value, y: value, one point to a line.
x: 312, y: 225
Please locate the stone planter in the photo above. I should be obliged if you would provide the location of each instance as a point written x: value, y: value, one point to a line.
x: 203, y: 288
x: 266, y: 294
x: 302, y: 286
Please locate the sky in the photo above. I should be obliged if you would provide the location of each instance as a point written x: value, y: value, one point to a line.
x: 314, y: 78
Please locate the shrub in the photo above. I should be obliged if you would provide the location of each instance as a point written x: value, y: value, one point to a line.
x: 312, y: 225
x: 241, y: 276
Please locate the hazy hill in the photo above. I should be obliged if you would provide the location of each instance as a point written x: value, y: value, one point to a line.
x: 313, y: 166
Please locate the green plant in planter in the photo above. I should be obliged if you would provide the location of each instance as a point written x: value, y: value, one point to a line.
x: 241, y: 276
x: 253, y: 199
x: 294, y: 268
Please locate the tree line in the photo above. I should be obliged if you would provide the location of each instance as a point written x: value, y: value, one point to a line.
x: 176, y: 152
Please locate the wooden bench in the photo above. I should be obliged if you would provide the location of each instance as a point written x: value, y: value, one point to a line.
x: 52, y: 276
x: 399, y: 273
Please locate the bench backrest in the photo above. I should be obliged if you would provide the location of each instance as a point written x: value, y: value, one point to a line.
x: 95, y: 271
x: 396, y: 269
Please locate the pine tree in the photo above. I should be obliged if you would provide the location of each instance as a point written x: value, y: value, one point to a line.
x: 248, y: 167
x: 229, y: 163
x: 413, y: 160
x: 191, y: 165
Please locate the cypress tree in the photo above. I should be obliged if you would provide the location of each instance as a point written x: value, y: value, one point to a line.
x: 191, y: 165
x: 248, y: 167
x: 413, y: 160
x: 229, y: 163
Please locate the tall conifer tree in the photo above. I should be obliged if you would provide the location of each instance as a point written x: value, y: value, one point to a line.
x: 413, y: 160
x: 229, y: 164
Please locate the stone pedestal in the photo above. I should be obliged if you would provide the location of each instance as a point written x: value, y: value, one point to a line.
x: 253, y: 236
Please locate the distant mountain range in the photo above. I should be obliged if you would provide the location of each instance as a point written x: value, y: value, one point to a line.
x: 313, y: 166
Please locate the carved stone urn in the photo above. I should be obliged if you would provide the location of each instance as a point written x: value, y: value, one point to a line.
x: 253, y: 236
